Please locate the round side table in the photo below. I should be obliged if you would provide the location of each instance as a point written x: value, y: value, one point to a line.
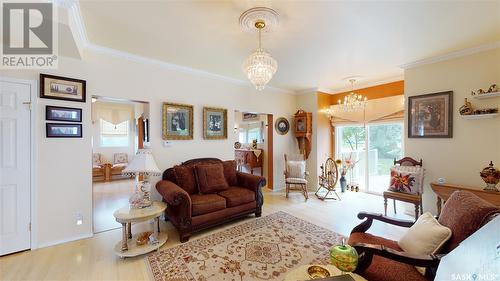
x: 300, y: 273
x: 126, y: 216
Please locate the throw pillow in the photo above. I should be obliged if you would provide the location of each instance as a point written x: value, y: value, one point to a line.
x: 296, y: 169
x: 96, y: 159
x: 211, y: 178
x: 230, y: 172
x: 185, y: 178
x: 120, y: 158
x: 427, y: 236
x: 404, y: 181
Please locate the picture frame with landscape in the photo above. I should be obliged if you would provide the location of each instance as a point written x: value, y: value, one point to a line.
x: 431, y: 115
x: 177, y: 121
x: 62, y: 88
x: 214, y: 123
x: 59, y: 113
x: 63, y: 130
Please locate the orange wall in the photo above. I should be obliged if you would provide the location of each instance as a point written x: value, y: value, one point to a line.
x: 375, y: 92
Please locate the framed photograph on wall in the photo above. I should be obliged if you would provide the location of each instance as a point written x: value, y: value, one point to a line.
x: 431, y: 115
x: 247, y: 116
x: 214, y: 123
x: 62, y: 88
x: 63, y: 130
x: 177, y: 121
x: 58, y: 113
x: 282, y: 126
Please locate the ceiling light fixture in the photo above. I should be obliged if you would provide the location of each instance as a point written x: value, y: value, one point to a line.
x: 260, y: 66
x: 352, y: 101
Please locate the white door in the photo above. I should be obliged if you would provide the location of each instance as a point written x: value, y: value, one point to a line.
x: 15, y: 165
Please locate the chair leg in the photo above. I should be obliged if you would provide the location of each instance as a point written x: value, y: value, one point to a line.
x: 394, y: 204
x: 304, y: 188
x: 421, y: 208
x: 385, y: 206
x: 416, y: 211
x: 287, y: 188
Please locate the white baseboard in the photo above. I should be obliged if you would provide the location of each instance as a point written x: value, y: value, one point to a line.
x: 53, y: 243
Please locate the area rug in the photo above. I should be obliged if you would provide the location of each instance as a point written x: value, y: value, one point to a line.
x: 262, y: 249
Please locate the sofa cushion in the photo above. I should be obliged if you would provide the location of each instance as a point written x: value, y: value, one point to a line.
x: 236, y: 196
x: 230, y: 172
x: 464, y: 213
x: 185, y: 178
x: 211, y: 178
x: 425, y: 237
x: 207, y: 203
x: 382, y: 269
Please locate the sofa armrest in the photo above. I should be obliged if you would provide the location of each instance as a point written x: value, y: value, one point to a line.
x: 366, y: 252
x: 175, y: 196
x: 250, y: 181
x: 365, y: 225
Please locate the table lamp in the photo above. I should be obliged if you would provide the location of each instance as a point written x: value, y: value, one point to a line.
x: 143, y: 164
x: 344, y: 257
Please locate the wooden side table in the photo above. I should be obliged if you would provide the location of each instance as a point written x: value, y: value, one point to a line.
x: 443, y: 192
x: 300, y: 273
x: 126, y: 216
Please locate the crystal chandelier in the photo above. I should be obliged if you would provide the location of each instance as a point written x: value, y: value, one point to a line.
x: 260, y: 66
x: 352, y: 101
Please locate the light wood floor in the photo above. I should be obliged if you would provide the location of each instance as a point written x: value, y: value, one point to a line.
x: 93, y: 258
x: 108, y: 197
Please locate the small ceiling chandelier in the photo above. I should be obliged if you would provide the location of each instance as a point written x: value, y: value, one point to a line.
x: 352, y: 101
x: 259, y: 66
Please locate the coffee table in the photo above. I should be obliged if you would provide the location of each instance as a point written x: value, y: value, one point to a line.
x: 300, y: 273
x: 127, y: 247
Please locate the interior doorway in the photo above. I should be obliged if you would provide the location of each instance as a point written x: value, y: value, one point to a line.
x: 119, y: 128
x: 253, y: 144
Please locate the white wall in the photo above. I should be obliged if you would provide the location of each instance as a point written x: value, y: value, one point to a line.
x: 309, y: 103
x: 475, y: 142
x: 64, y: 165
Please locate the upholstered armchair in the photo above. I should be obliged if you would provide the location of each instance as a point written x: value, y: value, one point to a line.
x: 295, y: 174
x: 383, y: 260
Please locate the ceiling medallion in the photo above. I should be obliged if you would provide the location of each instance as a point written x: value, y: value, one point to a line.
x: 260, y: 66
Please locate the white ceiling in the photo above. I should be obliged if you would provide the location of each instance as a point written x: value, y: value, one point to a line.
x: 317, y: 44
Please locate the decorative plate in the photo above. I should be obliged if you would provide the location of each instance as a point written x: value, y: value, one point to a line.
x: 237, y: 145
x: 282, y: 126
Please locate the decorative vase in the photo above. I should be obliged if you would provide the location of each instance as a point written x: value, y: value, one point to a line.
x: 343, y: 183
x: 491, y: 176
x: 344, y: 257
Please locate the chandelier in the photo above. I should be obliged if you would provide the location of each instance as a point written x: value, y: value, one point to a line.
x: 352, y: 102
x: 259, y: 66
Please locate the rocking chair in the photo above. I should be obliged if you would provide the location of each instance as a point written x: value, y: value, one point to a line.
x: 328, y: 180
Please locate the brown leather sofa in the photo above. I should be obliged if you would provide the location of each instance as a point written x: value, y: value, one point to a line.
x: 205, y: 192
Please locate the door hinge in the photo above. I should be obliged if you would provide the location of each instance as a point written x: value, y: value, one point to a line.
x: 29, y: 226
x: 27, y: 103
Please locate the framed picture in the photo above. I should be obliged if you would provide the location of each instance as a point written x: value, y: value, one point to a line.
x: 57, y: 113
x: 63, y: 130
x: 177, y: 121
x: 282, y: 126
x: 62, y: 88
x: 247, y: 116
x: 431, y: 115
x: 214, y: 123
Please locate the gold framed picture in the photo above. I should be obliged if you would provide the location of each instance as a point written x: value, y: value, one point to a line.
x: 282, y: 126
x: 214, y: 123
x: 431, y: 115
x: 177, y: 121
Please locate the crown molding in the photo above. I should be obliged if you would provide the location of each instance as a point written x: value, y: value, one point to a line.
x: 452, y: 55
x: 75, y: 14
x: 362, y: 85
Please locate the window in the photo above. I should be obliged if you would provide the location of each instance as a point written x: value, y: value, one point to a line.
x: 248, y: 135
x: 114, y: 135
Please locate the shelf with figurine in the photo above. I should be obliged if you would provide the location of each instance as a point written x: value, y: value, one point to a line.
x: 492, y: 92
x: 468, y: 112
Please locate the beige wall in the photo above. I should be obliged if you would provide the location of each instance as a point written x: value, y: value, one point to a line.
x: 64, y: 185
x: 474, y: 142
x: 309, y: 103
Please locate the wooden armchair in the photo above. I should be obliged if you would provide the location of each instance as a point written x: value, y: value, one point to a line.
x: 382, y: 259
x: 295, y: 174
x: 415, y: 199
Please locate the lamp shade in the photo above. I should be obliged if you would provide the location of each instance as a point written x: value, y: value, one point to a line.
x: 142, y: 163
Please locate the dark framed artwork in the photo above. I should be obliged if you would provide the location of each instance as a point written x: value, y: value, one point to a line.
x: 431, y: 115
x: 282, y: 126
x: 177, y: 121
x: 62, y: 88
x: 247, y: 116
x: 58, y: 113
x: 214, y: 123
x: 63, y: 130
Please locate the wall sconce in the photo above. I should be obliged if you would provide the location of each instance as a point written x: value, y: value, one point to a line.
x: 235, y: 129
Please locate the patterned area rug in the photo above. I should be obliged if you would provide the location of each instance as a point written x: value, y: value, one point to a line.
x: 262, y: 249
